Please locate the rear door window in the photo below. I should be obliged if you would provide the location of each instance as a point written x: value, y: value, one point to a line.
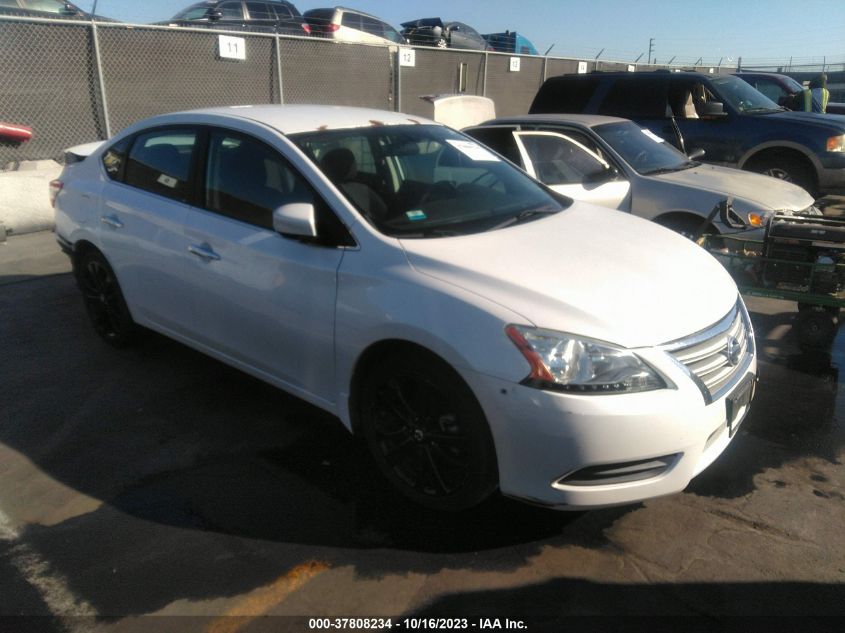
x: 565, y: 95
x: 351, y: 20
x: 160, y: 162
x: 637, y: 98
x: 231, y: 11
x: 260, y: 11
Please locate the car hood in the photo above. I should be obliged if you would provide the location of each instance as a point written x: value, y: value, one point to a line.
x: 835, y: 122
x: 588, y: 271
x: 765, y: 191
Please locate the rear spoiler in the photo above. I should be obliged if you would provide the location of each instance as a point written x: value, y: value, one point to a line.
x: 78, y: 153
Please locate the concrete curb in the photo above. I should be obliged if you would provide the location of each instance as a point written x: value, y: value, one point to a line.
x: 24, y: 198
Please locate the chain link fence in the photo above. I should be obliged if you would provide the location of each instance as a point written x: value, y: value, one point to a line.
x: 75, y: 82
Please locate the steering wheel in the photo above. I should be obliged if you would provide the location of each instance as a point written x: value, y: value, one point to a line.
x: 639, y: 159
x: 440, y: 190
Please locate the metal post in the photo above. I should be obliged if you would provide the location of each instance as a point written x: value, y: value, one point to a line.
x: 278, y: 43
x: 484, y: 78
x: 103, y: 100
x: 545, y: 67
x: 398, y: 99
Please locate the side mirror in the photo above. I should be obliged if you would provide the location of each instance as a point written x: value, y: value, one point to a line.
x: 606, y: 175
x: 295, y: 219
x: 713, y: 109
x: 215, y: 14
x: 696, y: 153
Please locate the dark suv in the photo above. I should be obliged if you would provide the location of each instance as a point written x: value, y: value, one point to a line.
x: 732, y: 122
x: 269, y: 16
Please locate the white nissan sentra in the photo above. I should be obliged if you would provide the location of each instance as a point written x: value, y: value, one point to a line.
x: 480, y: 331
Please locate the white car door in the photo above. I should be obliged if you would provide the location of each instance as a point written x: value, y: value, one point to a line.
x: 570, y: 168
x: 262, y: 301
x: 144, y: 204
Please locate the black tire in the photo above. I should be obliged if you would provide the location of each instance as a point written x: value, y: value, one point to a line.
x: 104, y: 300
x: 427, y: 432
x: 785, y: 168
x: 686, y: 225
x: 831, y: 310
x: 815, y: 327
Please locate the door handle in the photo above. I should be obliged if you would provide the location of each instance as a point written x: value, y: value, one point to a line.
x: 203, y: 252
x: 112, y: 221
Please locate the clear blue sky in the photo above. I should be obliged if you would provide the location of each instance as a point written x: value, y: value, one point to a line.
x: 756, y: 30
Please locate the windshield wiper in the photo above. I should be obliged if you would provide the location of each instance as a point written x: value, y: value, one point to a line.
x: 763, y: 110
x: 669, y: 170
x: 524, y: 215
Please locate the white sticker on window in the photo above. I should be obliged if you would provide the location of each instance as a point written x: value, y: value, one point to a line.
x: 473, y: 150
x: 167, y: 181
x: 651, y: 135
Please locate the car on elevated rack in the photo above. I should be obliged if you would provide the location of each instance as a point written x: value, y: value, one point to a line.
x: 435, y: 32
x: 348, y: 25
x: 478, y: 330
x: 619, y: 164
x: 266, y: 16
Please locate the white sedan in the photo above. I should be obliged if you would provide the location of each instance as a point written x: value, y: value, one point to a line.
x: 480, y: 331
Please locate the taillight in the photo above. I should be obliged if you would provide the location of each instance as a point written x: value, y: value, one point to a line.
x: 306, y: 28
x: 55, y: 188
x: 331, y: 28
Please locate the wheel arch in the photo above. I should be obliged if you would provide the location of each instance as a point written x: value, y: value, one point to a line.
x: 790, y: 148
x: 375, y: 352
x: 683, y: 215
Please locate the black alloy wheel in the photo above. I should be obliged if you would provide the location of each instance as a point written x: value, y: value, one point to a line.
x: 427, y: 433
x: 104, y: 301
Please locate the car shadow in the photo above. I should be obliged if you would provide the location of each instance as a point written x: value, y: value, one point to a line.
x: 207, y: 482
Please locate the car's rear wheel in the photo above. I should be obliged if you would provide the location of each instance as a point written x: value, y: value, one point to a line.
x: 427, y: 432
x: 104, y: 300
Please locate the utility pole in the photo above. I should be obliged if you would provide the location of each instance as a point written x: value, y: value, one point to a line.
x: 650, y: 48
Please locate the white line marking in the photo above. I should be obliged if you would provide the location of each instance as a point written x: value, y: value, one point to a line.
x: 51, y: 585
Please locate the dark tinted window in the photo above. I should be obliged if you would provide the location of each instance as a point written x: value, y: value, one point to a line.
x: 247, y: 180
x: 160, y: 162
x: 371, y: 26
x: 114, y: 158
x: 351, y: 20
x: 636, y: 97
x: 260, y: 11
x: 282, y: 11
x: 231, y: 10
x: 565, y: 95
x: 499, y: 139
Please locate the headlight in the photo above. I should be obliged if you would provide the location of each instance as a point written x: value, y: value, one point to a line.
x: 566, y: 363
x: 836, y: 143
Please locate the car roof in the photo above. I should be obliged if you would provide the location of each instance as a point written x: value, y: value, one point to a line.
x: 292, y: 119
x: 585, y: 120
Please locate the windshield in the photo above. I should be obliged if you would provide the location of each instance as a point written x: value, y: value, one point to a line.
x: 426, y: 180
x: 742, y: 96
x: 792, y: 85
x: 642, y: 149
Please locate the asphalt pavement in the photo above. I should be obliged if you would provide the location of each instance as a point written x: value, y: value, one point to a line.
x: 156, y: 489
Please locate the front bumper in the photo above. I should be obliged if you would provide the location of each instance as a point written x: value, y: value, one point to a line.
x: 544, y: 437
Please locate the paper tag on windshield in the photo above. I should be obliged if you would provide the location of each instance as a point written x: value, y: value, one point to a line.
x: 651, y: 135
x: 167, y: 181
x: 473, y: 150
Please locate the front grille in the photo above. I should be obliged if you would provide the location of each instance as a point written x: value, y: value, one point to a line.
x: 716, y: 356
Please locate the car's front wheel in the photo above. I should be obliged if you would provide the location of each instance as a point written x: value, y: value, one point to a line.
x: 104, y: 300
x: 427, y: 432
